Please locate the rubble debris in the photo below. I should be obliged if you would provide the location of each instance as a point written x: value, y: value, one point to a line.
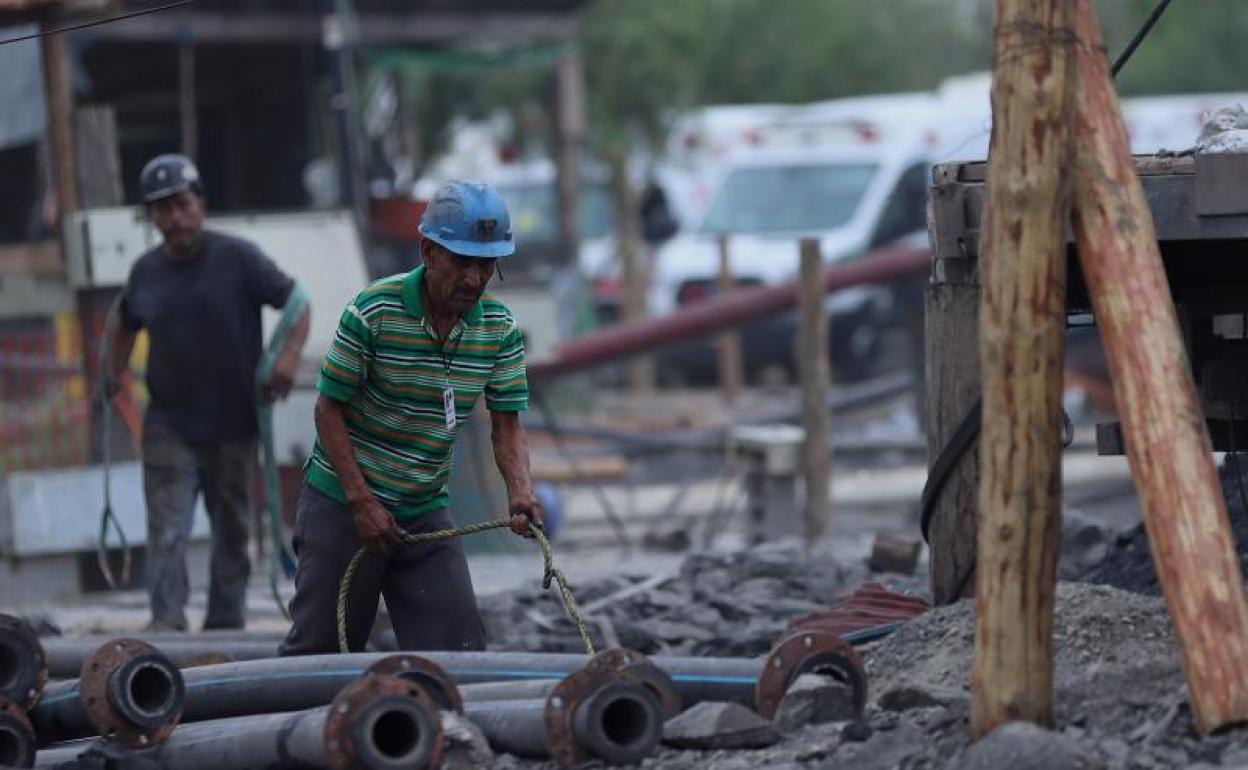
x: 464, y: 745
x: 894, y: 552
x: 1128, y: 565
x: 710, y: 725
x: 1024, y: 746
x: 908, y: 697
x: 719, y: 604
x: 813, y: 699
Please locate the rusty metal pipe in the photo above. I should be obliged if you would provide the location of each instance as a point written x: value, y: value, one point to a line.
x: 372, y: 724
x: 23, y: 664
x: 129, y: 693
x: 531, y: 689
x: 17, y: 736
x: 619, y: 722
x: 726, y: 311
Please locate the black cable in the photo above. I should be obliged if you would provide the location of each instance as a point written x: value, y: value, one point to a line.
x: 1123, y: 57
x: 97, y: 22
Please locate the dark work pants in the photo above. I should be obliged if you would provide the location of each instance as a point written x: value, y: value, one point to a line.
x: 174, y: 472
x: 427, y: 587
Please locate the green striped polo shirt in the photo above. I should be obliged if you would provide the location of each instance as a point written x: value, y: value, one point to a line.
x: 387, y: 368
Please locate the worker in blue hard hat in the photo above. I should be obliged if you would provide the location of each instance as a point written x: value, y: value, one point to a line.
x: 199, y: 296
x: 412, y: 355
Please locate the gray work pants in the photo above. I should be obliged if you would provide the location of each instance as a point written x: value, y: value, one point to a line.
x: 174, y: 472
x: 427, y: 587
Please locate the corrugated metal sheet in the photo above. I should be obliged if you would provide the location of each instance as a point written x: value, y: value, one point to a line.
x: 871, y: 604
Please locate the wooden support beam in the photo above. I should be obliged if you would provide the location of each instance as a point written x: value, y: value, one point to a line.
x: 813, y: 361
x: 98, y: 157
x: 953, y: 387
x: 58, y: 80
x: 1167, y: 442
x: 1022, y: 340
x: 187, y: 116
x: 570, y: 126
x: 204, y: 26
x: 731, y: 376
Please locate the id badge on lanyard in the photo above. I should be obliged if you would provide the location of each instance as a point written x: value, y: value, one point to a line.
x: 448, y: 406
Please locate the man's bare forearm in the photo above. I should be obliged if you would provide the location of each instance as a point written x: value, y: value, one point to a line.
x: 511, y: 453
x: 331, y: 428
x: 288, y: 356
x: 120, y: 346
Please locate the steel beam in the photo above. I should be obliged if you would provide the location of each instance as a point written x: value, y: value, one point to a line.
x: 721, y: 313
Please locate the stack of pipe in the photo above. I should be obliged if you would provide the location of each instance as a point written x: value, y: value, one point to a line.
x: 382, y: 710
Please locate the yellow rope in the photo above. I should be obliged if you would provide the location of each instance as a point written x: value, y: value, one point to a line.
x: 551, y: 573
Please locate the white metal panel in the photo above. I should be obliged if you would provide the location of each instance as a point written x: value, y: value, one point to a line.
x: 320, y: 250
x: 50, y: 512
x: 102, y: 244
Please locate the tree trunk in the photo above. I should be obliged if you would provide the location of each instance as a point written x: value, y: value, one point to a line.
x: 633, y: 273
x: 1022, y: 334
x: 1167, y: 441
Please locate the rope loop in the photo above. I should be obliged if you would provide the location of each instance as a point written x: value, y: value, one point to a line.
x: 550, y: 574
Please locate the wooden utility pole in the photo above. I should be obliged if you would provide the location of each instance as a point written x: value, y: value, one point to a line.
x: 1022, y: 336
x: 813, y: 362
x: 1167, y: 441
x: 58, y: 77
x: 731, y: 377
x: 570, y: 126
x: 186, y: 100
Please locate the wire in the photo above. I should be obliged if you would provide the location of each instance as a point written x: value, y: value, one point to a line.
x: 1139, y: 37
x: 97, y: 22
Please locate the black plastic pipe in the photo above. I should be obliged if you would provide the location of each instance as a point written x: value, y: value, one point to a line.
x: 390, y: 732
x: 619, y: 723
x: 17, y: 739
x: 145, y: 692
x: 66, y: 655
x: 530, y: 689
x: 291, y: 684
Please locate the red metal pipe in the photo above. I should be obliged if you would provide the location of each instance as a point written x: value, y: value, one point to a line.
x: 731, y: 309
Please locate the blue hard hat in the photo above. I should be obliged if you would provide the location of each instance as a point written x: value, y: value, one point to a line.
x: 469, y: 219
x: 167, y: 175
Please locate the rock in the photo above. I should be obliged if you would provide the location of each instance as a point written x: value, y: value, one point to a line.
x: 814, y: 700
x: 907, y: 697
x: 464, y: 745
x: 894, y: 552
x: 711, y: 725
x: 882, y: 751
x: 674, y: 539
x: 1022, y: 746
x: 856, y: 732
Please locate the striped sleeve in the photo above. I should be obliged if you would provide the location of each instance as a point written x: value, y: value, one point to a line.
x: 346, y: 362
x: 508, y: 386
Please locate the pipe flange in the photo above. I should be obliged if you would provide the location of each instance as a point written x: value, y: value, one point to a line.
x: 638, y: 667
x: 436, y: 683
x: 17, y: 736
x: 23, y: 664
x: 132, y: 693
x: 355, y: 713
x: 809, y: 652
x: 563, y: 709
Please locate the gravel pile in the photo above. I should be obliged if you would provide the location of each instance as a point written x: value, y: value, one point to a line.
x: 732, y: 604
x: 1119, y: 697
x: 1128, y: 563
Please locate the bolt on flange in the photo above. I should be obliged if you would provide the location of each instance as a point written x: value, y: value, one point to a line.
x: 809, y: 652
x: 132, y: 693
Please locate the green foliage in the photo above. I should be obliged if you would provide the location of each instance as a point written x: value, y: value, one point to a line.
x: 1198, y: 45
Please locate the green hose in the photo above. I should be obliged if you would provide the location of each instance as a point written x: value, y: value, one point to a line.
x: 280, y: 559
